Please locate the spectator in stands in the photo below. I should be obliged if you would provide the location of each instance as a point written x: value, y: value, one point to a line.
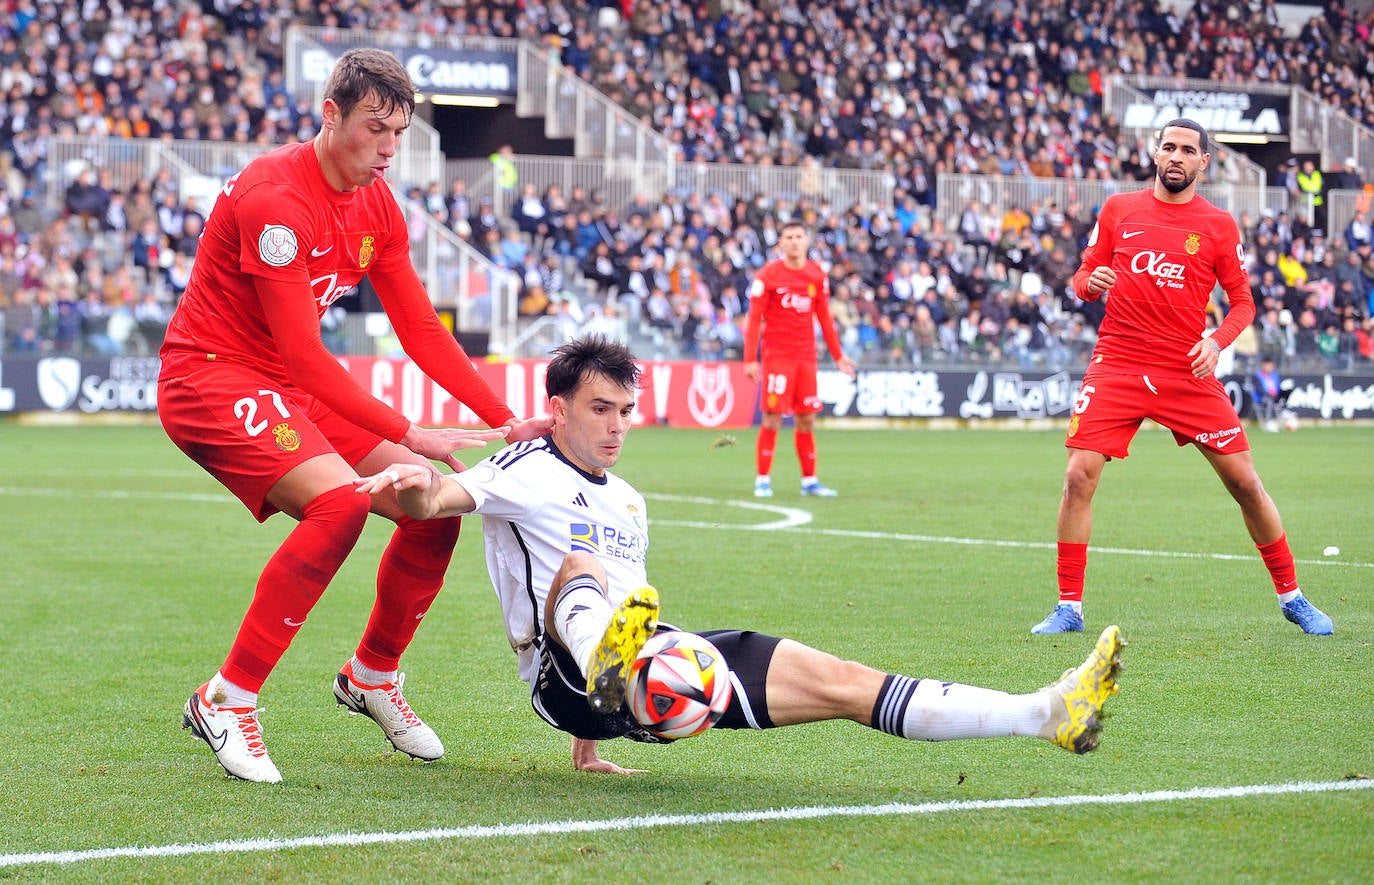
x: 529, y: 212
x: 87, y: 201
x: 1358, y: 232
x: 23, y: 321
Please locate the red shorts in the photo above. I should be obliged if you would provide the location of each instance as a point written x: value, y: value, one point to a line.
x: 248, y: 430
x: 789, y: 387
x: 1111, y: 406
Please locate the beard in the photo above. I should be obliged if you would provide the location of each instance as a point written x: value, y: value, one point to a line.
x: 1176, y: 186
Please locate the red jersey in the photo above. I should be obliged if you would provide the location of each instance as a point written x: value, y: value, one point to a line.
x: 279, y: 227
x: 1168, y: 258
x: 784, y: 306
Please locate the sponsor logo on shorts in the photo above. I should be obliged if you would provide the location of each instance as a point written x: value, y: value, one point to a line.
x: 287, y: 439
x: 1219, y: 439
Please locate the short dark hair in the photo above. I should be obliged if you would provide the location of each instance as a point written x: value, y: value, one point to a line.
x: 797, y: 224
x: 362, y: 71
x: 589, y: 355
x: 1185, y: 123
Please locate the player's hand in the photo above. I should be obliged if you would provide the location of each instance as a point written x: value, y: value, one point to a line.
x: 585, y: 759
x: 1101, y: 279
x: 399, y: 476
x: 751, y: 371
x: 530, y: 428
x: 1206, y: 353
x: 439, y: 443
x: 846, y: 365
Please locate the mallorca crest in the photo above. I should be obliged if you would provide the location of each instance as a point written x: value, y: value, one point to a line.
x: 366, y: 252
x: 1192, y: 244
x: 287, y: 439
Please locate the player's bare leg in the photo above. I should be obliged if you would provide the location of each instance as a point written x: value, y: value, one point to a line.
x: 1237, y: 472
x: 806, y: 685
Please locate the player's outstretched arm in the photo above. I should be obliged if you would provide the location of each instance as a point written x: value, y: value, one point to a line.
x: 585, y: 758
x: 422, y: 491
x: 440, y: 443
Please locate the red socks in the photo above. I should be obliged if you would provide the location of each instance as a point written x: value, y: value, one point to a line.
x: 763, y: 451
x: 410, y: 576
x: 1279, y: 560
x: 292, y: 582
x: 806, y: 452
x: 1072, y: 564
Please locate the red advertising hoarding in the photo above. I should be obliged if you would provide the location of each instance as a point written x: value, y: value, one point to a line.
x: 679, y: 394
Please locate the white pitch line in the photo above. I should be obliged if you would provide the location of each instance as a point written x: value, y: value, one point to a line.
x: 792, y: 523
x: 640, y: 822
x: 790, y: 519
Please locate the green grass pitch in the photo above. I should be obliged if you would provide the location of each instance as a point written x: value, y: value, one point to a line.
x: 125, y: 571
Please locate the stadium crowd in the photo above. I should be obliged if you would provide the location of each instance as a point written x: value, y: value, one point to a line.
x: 997, y: 87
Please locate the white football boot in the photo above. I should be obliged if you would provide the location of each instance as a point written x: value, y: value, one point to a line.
x: 235, y: 736
x: 385, y: 705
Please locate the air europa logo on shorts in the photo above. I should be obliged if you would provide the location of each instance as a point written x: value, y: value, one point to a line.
x: 1220, y: 438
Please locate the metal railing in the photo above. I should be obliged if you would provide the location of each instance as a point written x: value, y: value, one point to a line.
x: 1341, y: 206
x: 838, y: 188
x: 953, y: 191
x: 573, y: 108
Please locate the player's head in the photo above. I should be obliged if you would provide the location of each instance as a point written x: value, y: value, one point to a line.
x: 794, y: 239
x: 372, y: 77
x: 592, y: 384
x: 1182, y: 153
x: 368, y: 102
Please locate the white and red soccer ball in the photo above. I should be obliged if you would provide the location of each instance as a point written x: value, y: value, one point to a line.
x: 679, y: 685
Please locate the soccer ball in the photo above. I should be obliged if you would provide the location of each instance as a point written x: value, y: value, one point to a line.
x: 679, y: 685
x: 1290, y: 420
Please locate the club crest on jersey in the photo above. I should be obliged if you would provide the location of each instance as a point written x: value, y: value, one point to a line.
x: 277, y: 245
x: 1192, y: 244
x: 367, y: 252
x: 636, y: 517
x: 583, y: 537
x: 287, y: 439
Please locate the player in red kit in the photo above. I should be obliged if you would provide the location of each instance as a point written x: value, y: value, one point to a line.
x: 788, y: 298
x: 249, y: 392
x: 1157, y: 254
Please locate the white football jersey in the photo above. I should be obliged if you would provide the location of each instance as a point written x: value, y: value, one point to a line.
x: 536, y: 507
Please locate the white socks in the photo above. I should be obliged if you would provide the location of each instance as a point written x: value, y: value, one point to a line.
x: 944, y: 711
x: 223, y: 693
x: 368, y: 676
x: 582, y: 615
